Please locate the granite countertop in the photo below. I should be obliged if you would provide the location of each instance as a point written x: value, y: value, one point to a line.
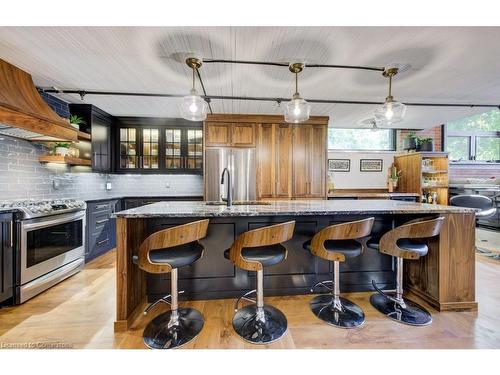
x: 287, y: 208
x: 370, y: 195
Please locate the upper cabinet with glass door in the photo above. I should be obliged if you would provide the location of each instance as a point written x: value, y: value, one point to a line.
x: 162, y: 148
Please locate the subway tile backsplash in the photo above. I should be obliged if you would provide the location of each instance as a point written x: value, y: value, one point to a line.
x: 23, y: 177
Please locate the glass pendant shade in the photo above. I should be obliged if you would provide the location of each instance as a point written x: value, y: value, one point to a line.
x: 194, y: 107
x: 297, y: 110
x: 391, y: 112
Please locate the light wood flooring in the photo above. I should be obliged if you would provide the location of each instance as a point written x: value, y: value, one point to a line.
x: 79, y: 313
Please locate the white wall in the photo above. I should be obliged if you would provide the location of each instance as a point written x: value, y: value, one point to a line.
x: 360, y: 180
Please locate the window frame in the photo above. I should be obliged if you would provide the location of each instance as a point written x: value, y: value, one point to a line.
x: 392, y: 140
x: 472, y: 136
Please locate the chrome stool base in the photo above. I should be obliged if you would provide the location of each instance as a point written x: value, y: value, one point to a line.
x: 349, y: 315
x: 158, y: 334
x: 251, y: 329
x: 412, y: 314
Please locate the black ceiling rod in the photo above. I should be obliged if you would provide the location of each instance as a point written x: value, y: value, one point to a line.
x: 270, y: 63
x: 266, y: 99
x: 207, y: 98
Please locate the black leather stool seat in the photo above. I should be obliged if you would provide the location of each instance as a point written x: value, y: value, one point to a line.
x: 178, y: 256
x: 404, y: 243
x: 265, y: 255
x: 350, y: 248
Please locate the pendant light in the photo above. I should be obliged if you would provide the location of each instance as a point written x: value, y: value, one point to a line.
x: 297, y: 110
x: 391, y: 111
x: 193, y: 106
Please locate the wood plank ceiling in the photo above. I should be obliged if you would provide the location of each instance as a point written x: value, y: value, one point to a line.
x: 448, y: 64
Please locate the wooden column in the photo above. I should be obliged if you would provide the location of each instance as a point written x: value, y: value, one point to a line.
x: 445, y: 277
x: 130, y: 279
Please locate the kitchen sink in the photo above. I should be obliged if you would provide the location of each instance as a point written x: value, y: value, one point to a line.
x: 238, y: 203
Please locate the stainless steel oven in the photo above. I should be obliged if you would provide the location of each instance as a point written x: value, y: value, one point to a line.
x: 50, y: 244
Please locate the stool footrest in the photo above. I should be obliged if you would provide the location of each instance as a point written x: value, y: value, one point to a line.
x: 166, y: 299
x: 245, y: 297
x: 323, y: 284
x: 400, y: 302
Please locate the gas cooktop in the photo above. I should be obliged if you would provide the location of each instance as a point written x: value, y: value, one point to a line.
x: 40, y: 208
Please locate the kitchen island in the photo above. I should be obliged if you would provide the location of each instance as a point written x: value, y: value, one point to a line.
x: 444, y: 278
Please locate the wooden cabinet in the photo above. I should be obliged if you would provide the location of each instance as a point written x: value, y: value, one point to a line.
x: 266, y: 157
x: 217, y: 134
x: 243, y: 135
x: 98, y: 123
x: 309, y: 161
x: 283, y: 160
x: 424, y: 173
x: 147, y: 145
x: 274, y: 161
x: 290, y: 159
x: 229, y: 134
x: 6, y: 259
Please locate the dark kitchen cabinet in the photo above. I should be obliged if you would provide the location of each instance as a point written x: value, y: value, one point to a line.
x: 156, y: 145
x: 6, y: 259
x: 99, y: 125
x: 101, y: 227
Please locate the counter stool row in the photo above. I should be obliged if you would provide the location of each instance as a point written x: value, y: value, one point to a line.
x: 167, y: 250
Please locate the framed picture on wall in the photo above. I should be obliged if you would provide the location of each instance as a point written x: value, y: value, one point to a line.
x: 371, y: 165
x: 339, y: 165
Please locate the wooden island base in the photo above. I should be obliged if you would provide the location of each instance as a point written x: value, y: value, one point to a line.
x: 445, y: 278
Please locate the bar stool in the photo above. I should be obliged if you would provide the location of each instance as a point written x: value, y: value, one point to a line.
x: 404, y: 242
x: 163, y: 252
x: 336, y: 243
x: 485, y: 205
x: 252, y: 251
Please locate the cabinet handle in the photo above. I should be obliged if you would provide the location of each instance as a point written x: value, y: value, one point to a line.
x: 101, y: 221
x: 11, y: 234
x: 99, y: 206
x: 103, y: 241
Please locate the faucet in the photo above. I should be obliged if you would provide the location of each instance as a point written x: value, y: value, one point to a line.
x: 229, y: 198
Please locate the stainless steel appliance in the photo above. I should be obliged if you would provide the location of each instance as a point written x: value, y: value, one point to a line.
x: 50, y: 244
x: 241, y: 164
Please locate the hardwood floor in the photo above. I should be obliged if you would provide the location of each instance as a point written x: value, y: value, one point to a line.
x: 79, y: 313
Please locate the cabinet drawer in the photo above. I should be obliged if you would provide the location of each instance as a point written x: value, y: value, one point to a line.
x: 99, y: 207
x: 99, y: 244
x: 99, y: 222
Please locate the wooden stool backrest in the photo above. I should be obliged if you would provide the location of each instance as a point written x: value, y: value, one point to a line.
x: 419, y: 228
x: 266, y: 236
x: 346, y: 231
x: 170, y: 237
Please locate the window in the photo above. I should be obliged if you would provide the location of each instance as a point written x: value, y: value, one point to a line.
x: 360, y: 139
x: 474, y: 138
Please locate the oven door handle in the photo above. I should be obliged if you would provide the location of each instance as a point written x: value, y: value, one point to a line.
x: 57, y: 219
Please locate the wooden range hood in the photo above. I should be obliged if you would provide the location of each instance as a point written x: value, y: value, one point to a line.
x: 23, y: 112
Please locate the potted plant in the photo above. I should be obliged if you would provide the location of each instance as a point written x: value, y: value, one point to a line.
x: 410, y: 141
x: 61, y: 148
x: 76, y: 121
x: 425, y: 144
x: 394, y: 176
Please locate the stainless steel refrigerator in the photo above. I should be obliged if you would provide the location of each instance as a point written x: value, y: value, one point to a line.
x: 241, y: 165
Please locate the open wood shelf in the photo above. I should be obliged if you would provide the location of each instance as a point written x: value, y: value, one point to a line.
x: 82, y: 136
x: 64, y: 160
x: 434, y: 172
x: 411, y: 180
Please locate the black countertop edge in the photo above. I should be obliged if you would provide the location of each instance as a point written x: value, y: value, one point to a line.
x: 170, y: 197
